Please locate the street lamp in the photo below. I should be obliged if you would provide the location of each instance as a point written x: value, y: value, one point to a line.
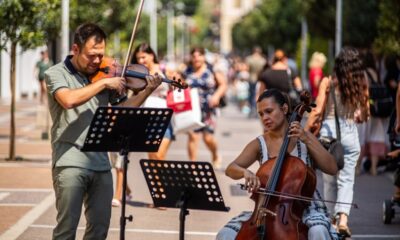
x: 65, y: 29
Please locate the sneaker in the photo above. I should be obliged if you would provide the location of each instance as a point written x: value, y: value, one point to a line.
x: 159, y: 208
x: 217, y: 164
x: 115, y: 202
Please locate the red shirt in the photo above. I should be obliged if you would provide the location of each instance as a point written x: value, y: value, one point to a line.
x: 313, y: 74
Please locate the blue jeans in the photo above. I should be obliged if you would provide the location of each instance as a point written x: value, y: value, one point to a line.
x: 340, y: 187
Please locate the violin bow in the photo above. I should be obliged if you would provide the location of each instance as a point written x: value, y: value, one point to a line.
x: 129, y: 57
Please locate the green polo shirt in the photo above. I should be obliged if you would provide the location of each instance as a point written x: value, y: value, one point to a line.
x: 70, y: 126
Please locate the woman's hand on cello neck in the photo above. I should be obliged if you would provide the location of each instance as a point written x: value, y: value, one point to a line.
x: 298, y: 132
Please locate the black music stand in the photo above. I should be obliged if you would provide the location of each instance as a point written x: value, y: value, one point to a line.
x: 124, y: 130
x: 183, y: 184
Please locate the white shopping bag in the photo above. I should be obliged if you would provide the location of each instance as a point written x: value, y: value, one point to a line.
x: 155, y: 102
x: 188, y: 120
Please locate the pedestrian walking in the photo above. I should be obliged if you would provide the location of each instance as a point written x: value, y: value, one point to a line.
x: 212, y: 87
x: 372, y: 133
x: 145, y: 55
x: 40, y: 68
x: 394, y: 130
x: 316, y: 73
x: 280, y: 76
x: 117, y: 162
x: 256, y: 61
x: 350, y: 92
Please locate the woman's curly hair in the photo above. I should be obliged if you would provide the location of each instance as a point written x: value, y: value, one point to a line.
x: 350, y: 73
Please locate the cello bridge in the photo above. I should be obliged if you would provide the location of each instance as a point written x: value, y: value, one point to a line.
x: 266, y: 212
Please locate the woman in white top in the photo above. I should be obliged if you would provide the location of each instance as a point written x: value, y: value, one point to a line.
x: 144, y: 54
x: 273, y: 108
x: 349, y: 87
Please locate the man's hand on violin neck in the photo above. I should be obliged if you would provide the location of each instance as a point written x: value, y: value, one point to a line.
x: 115, y: 83
x: 153, y: 81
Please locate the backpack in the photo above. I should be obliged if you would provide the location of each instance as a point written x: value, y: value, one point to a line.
x: 380, y: 100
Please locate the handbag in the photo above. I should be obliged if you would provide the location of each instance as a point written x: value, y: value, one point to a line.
x: 155, y: 102
x: 332, y: 145
x: 187, y: 112
x: 222, y: 102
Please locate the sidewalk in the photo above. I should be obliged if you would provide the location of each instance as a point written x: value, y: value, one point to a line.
x: 27, y: 208
x: 30, y: 125
x: 23, y: 184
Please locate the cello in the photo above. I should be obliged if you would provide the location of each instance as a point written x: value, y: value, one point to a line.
x: 277, y: 216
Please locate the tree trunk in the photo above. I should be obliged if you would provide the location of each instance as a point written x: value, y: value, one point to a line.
x: 12, y: 110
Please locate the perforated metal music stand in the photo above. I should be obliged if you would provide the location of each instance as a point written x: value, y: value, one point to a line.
x: 183, y: 184
x: 124, y: 130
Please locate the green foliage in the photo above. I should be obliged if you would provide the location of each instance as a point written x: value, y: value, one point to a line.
x: 321, y: 18
x: 359, y: 19
x: 26, y: 22
x: 190, y: 7
x: 111, y: 15
x: 273, y: 22
x: 277, y: 23
x: 187, y: 7
x: 388, y: 40
x: 114, y: 17
x: 360, y: 22
x: 205, y: 28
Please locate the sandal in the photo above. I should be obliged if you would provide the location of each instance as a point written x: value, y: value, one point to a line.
x: 396, y: 196
x: 342, y: 229
x: 128, y: 197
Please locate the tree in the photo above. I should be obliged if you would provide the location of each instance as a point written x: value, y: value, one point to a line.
x: 23, y: 23
x: 360, y: 19
x: 273, y: 22
x: 114, y: 17
x: 388, y: 40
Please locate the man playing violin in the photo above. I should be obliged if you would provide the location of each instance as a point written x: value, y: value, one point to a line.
x: 83, y: 177
x: 273, y: 107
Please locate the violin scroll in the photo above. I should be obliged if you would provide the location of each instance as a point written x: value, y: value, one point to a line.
x: 305, y: 104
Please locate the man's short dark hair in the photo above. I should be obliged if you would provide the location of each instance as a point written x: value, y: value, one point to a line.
x: 86, y: 31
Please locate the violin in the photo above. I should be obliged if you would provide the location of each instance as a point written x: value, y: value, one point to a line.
x: 135, y: 75
x: 279, y: 216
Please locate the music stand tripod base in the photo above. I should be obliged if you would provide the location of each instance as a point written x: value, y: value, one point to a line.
x: 184, y: 185
x: 124, y: 130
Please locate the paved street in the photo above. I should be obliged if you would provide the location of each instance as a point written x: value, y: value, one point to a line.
x: 27, y: 210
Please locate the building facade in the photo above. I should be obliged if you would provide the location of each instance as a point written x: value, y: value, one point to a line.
x: 231, y: 13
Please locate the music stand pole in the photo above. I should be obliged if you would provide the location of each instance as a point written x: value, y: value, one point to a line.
x: 123, y: 218
x: 182, y: 215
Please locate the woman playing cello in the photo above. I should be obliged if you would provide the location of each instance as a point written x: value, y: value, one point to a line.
x: 273, y: 107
